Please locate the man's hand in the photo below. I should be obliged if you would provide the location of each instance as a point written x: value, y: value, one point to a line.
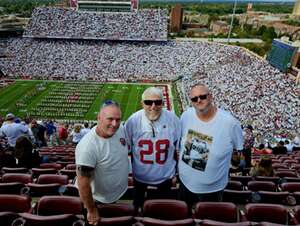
x: 93, y: 216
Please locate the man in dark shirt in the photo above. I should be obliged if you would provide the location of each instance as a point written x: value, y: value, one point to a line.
x: 280, y: 148
x: 39, y: 133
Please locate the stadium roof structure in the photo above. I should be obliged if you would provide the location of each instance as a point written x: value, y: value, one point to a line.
x: 105, y: 5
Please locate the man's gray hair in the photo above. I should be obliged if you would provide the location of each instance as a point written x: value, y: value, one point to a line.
x: 152, y: 91
x: 107, y: 103
x: 198, y: 84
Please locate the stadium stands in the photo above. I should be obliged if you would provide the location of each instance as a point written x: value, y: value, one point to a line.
x: 241, y: 83
x: 142, y: 25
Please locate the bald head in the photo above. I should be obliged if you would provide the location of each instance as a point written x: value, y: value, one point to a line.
x: 200, y: 86
x: 109, y: 119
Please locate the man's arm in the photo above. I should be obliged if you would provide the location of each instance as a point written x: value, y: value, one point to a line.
x: 84, y: 174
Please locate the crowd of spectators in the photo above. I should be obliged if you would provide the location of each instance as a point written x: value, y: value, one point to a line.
x: 143, y: 25
x: 248, y: 86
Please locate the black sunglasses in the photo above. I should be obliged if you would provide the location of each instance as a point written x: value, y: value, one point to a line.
x: 201, y: 97
x: 150, y: 102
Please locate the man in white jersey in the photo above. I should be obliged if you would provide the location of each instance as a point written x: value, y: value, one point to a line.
x: 102, y: 162
x: 153, y: 134
x: 209, y: 136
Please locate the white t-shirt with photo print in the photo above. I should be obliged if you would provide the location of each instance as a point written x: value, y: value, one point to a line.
x: 206, y: 149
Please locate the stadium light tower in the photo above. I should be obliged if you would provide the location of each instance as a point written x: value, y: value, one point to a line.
x: 231, y: 23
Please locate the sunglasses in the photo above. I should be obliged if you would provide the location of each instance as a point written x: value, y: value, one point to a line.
x: 201, y: 97
x: 150, y: 102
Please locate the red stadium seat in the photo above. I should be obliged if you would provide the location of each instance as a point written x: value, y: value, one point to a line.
x: 243, y: 179
x: 38, y: 171
x: 116, y: 214
x: 218, y: 211
x: 55, y: 205
x: 17, y: 177
x: 11, y: 188
x: 261, y: 186
x: 15, y: 203
x: 51, y: 165
x: 52, y: 178
x: 54, y: 220
x: 219, y: 223
x: 261, y: 212
x: 165, y: 209
x: 7, y: 218
x: 14, y: 170
x: 234, y: 185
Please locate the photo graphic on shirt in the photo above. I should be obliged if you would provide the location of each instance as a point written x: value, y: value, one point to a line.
x: 196, y: 149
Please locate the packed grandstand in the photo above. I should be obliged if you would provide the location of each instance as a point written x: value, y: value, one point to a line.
x: 70, y: 45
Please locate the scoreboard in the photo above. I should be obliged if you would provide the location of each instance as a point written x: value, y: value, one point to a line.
x: 281, y: 54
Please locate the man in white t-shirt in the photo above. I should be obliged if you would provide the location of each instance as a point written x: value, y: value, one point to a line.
x: 11, y: 130
x: 209, y: 136
x: 85, y: 130
x: 102, y: 162
x: 153, y: 134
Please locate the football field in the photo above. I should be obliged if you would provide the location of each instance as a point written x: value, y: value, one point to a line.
x: 71, y: 100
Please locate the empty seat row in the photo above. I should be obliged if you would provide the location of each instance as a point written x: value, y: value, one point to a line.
x: 64, y: 210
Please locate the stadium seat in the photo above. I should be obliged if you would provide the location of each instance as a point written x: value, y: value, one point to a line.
x: 165, y: 209
x: 52, y: 178
x: 290, y: 186
x: 273, y: 179
x: 293, y: 188
x: 14, y: 170
x: 219, y: 223
x: 290, y: 162
x: 147, y: 221
x: 283, y: 174
x: 218, y: 211
x: 71, y: 166
x: 235, y: 196
x: 243, y: 179
x: 17, y: 177
x: 38, y: 171
x: 11, y: 188
x: 47, y: 184
x: 295, y: 215
x: 234, y: 185
x: 275, y: 197
x: 27, y: 219
x: 7, y: 218
x: 15, y: 203
x: 116, y: 210
x: 261, y: 186
x: 117, y: 221
x: 279, y: 165
x: 55, y: 205
x: 159, y: 212
x: 116, y: 214
x: 261, y: 212
x: 70, y: 190
x: 70, y: 173
x: 51, y: 165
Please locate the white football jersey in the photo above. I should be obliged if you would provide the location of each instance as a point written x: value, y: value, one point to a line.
x: 153, y: 146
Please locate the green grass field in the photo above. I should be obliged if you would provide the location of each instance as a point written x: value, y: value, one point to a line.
x: 66, y: 100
